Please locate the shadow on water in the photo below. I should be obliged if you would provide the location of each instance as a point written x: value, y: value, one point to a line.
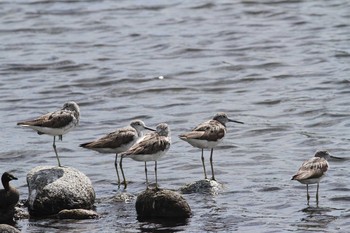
x: 316, y: 218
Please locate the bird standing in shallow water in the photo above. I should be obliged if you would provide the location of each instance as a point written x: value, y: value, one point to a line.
x: 208, y: 135
x: 312, y: 171
x: 56, y: 123
x: 150, y: 148
x: 9, y: 196
x: 118, y: 141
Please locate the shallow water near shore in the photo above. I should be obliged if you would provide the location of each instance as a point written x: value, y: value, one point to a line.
x: 281, y: 67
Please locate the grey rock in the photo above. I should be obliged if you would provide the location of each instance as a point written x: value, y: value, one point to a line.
x: 77, y: 214
x: 21, y: 213
x: 124, y: 197
x: 52, y: 189
x: 4, y: 228
x: 162, y: 203
x: 203, y: 186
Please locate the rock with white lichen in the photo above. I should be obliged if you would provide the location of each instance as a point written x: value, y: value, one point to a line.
x: 52, y: 189
x: 203, y: 186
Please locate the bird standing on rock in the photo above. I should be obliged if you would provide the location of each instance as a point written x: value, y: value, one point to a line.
x: 150, y: 148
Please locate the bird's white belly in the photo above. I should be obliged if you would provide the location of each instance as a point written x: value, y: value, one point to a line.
x: 106, y: 150
x: 148, y: 157
x: 54, y: 131
x: 203, y: 143
x: 311, y: 181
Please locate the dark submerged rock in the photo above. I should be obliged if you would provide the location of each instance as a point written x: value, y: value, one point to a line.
x: 4, y: 228
x: 52, y: 189
x: 161, y: 203
x: 77, y: 214
x: 203, y: 186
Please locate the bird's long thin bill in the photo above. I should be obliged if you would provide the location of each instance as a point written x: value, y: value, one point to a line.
x: 337, y: 158
x: 239, y: 122
x: 150, y: 129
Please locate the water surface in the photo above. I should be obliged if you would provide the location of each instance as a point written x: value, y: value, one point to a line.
x: 281, y: 66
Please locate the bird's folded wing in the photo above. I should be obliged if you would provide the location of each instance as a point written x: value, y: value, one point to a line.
x: 56, y: 119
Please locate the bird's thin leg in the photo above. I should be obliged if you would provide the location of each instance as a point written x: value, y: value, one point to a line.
x: 318, y: 185
x: 307, y: 194
x: 155, y: 171
x: 146, y: 174
x: 116, y: 168
x: 121, y: 169
x: 211, y: 164
x: 60, y: 137
x: 54, y: 147
x: 205, y: 172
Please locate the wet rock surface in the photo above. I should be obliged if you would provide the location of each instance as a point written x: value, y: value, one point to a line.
x: 161, y: 203
x: 124, y: 197
x: 52, y: 189
x: 203, y: 186
x: 4, y: 228
x: 77, y: 214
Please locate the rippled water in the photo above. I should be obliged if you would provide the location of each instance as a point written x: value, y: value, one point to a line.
x: 281, y: 66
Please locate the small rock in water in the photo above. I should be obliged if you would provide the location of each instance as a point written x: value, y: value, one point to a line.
x: 124, y: 197
x: 203, y: 186
x: 52, y: 189
x: 21, y: 213
x: 77, y: 214
x: 4, y: 228
x: 162, y: 203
